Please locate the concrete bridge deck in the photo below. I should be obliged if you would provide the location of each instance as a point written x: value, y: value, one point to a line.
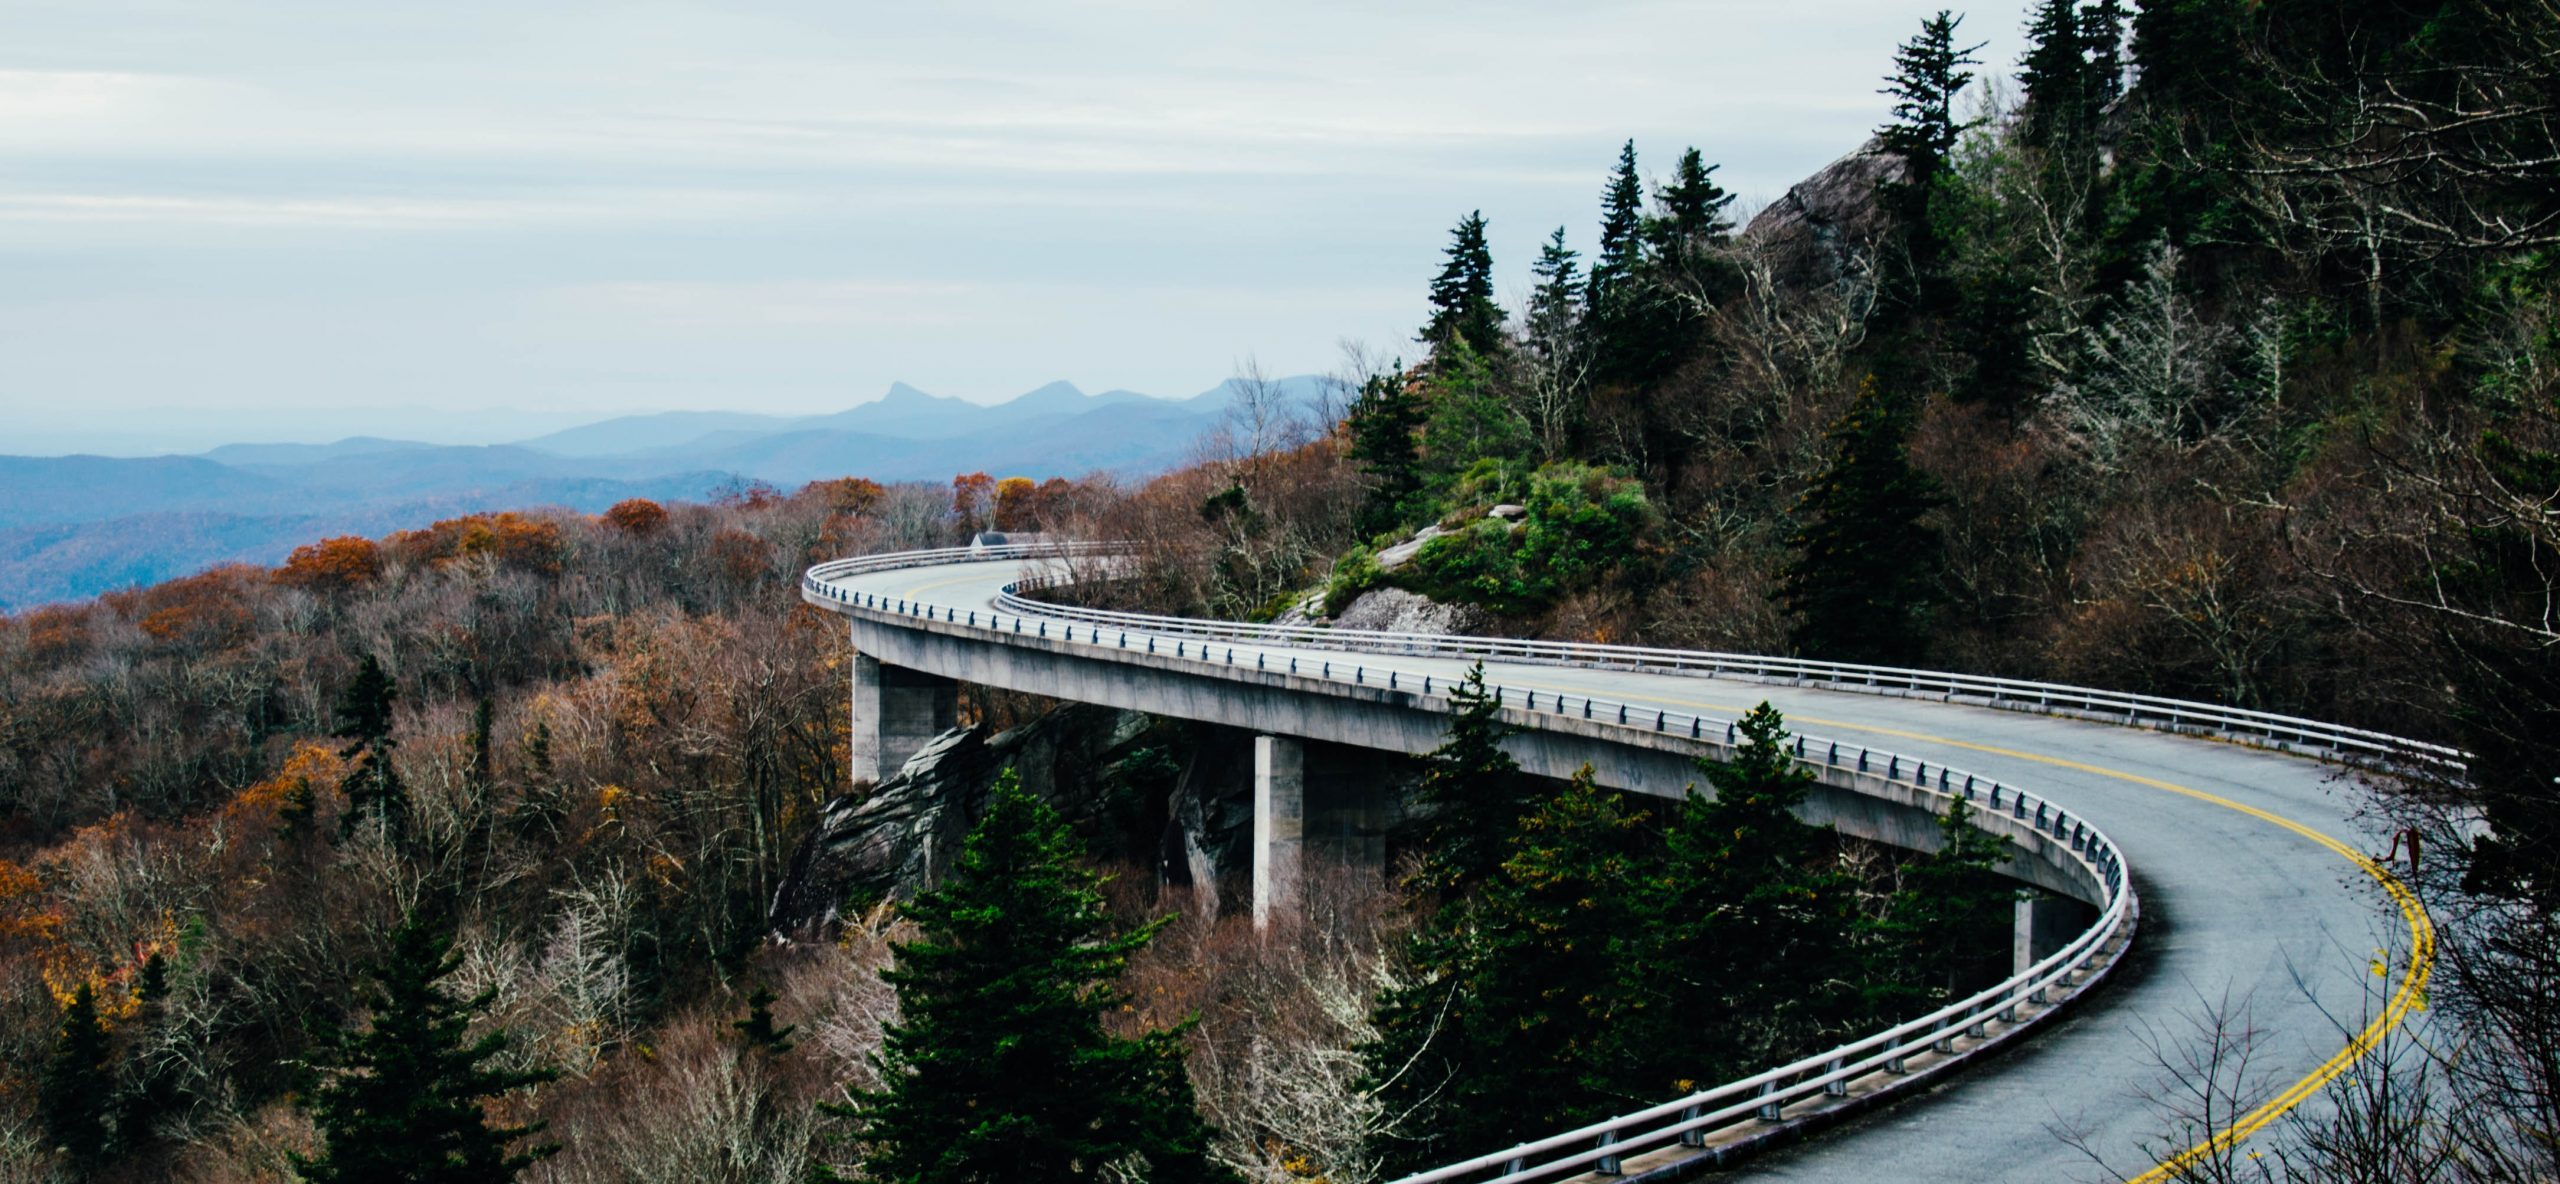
x: 2245, y: 859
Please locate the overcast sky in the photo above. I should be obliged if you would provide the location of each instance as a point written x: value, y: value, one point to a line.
x: 468, y: 221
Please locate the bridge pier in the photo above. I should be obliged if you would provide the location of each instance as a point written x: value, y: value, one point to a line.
x: 1279, y: 826
x: 2045, y: 924
x: 896, y: 712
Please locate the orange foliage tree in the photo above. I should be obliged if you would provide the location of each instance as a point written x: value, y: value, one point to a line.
x: 514, y: 540
x: 1016, y: 503
x: 348, y: 561
x: 971, y: 495
x: 846, y: 495
x: 636, y: 515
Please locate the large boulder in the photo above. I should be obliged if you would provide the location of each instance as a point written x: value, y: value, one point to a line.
x: 903, y: 834
x: 1394, y: 610
x: 1831, y: 217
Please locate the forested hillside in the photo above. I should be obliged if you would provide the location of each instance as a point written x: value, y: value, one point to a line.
x: 2217, y: 355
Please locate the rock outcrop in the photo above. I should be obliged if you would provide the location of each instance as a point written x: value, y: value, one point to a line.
x: 900, y: 836
x: 1394, y: 610
x: 1831, y: 217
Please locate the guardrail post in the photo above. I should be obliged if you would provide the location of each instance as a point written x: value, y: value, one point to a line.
x: 1893, y: 767
x: 1837, y: 1087
x: 1862, y: 760
x: 1608, y: 1165
x: 1622, y: 713
x: 1586, y: 707
x: 1771, y: 1110
x: 1693, y: 1137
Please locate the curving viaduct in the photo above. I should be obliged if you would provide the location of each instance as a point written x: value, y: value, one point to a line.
x: 2192, y: 871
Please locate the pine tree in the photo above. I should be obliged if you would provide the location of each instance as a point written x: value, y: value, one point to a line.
x: 2102, y: 26
x: 364, y: 720
x: 1621, y: 257
x: 1503, y: 1029
x: 1473, y: 792
x: 1747, y: 918
x: 1928, y: 77
x: 1382, y: 424
x: 77, y: 1092
x: 757, y: 1028
x: 1555, y: 305
x: 2056, y: 75
x: 1864, y: 570
x: 403, y: 1100
x: 1693, y: 209
x: 1944, y: 930
x: 998, y: 1068
x: 1462, y: 307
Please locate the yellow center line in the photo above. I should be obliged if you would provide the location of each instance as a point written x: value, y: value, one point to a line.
x: 2413, y: 984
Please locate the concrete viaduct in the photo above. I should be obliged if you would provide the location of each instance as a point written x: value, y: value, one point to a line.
x: 2240, y: 862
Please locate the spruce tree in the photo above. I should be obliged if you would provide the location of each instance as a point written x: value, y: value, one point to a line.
x: 2102, y: 26
x: 1864, y: 568
x: 1945, y: 929
x: 1472, y: 791
x: 1462, y: 307
x: 1382, y: 424
x: 1502, y: 1029
x: 1928, y: 78
x: 76, y: 1094
x: 757, y: 1028
x: 998, y: 1068
x: 1621, y: 256
x: 2055, y: 72
x: 364, y: 721
x: 1555, y: 305
x: 1747, y: 920
x: 402, y: 1100
x: 1693, y: 208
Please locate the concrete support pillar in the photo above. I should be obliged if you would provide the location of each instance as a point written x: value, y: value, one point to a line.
x: 2045, y: 924
x: 896, y: 711
x: 1279, y: 826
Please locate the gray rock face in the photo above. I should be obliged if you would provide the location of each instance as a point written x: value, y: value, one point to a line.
x: 1394, y: 610
x: 1403, y: 553
x: 899, y: 838
x: 1831, y: 216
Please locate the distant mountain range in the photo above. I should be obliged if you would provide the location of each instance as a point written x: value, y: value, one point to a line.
x: 74, y: 526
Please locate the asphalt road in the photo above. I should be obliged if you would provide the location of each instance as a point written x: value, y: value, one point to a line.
x: 2243, y: 915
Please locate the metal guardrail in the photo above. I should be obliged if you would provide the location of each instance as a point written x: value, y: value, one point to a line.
x: 2148, y: 711
x: 2019, y: 1001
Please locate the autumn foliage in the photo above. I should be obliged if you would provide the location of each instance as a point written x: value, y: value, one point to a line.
x: 637, y: 515
x: 332, y: 564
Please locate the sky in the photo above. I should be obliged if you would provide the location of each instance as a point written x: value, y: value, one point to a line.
x: 474, y: 221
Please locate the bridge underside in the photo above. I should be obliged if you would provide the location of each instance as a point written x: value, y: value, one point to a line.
x: 911, y: 662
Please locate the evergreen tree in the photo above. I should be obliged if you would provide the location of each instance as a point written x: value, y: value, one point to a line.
x: 1863, y: 574
x: 1693, y: 209
x: 1502, y: 1030
x: 998, y: 1068
x: 1621, y: 257
x: 1382, y: 424
x: 2102, y: 26
x: 364, y: 721
x: 403, y: 1102
x: 2056, y: 75
x: 1555, y: 305
x: 1462, y: 307
x: 76, y: 1094
x: 757, y: 1028
x: 1945, y: 930
x: 1929, y: 76
x: 1473, y: 792
x: 1747, y: 919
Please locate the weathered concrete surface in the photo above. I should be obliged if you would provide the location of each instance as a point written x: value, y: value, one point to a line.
x: 896, y: 712
x: 1279, y: 826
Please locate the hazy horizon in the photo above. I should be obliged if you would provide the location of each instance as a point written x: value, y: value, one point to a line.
x: 293, y: 221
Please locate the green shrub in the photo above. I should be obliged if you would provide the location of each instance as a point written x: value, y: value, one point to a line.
x: 1356, y: 572
x: 1581, y: 523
